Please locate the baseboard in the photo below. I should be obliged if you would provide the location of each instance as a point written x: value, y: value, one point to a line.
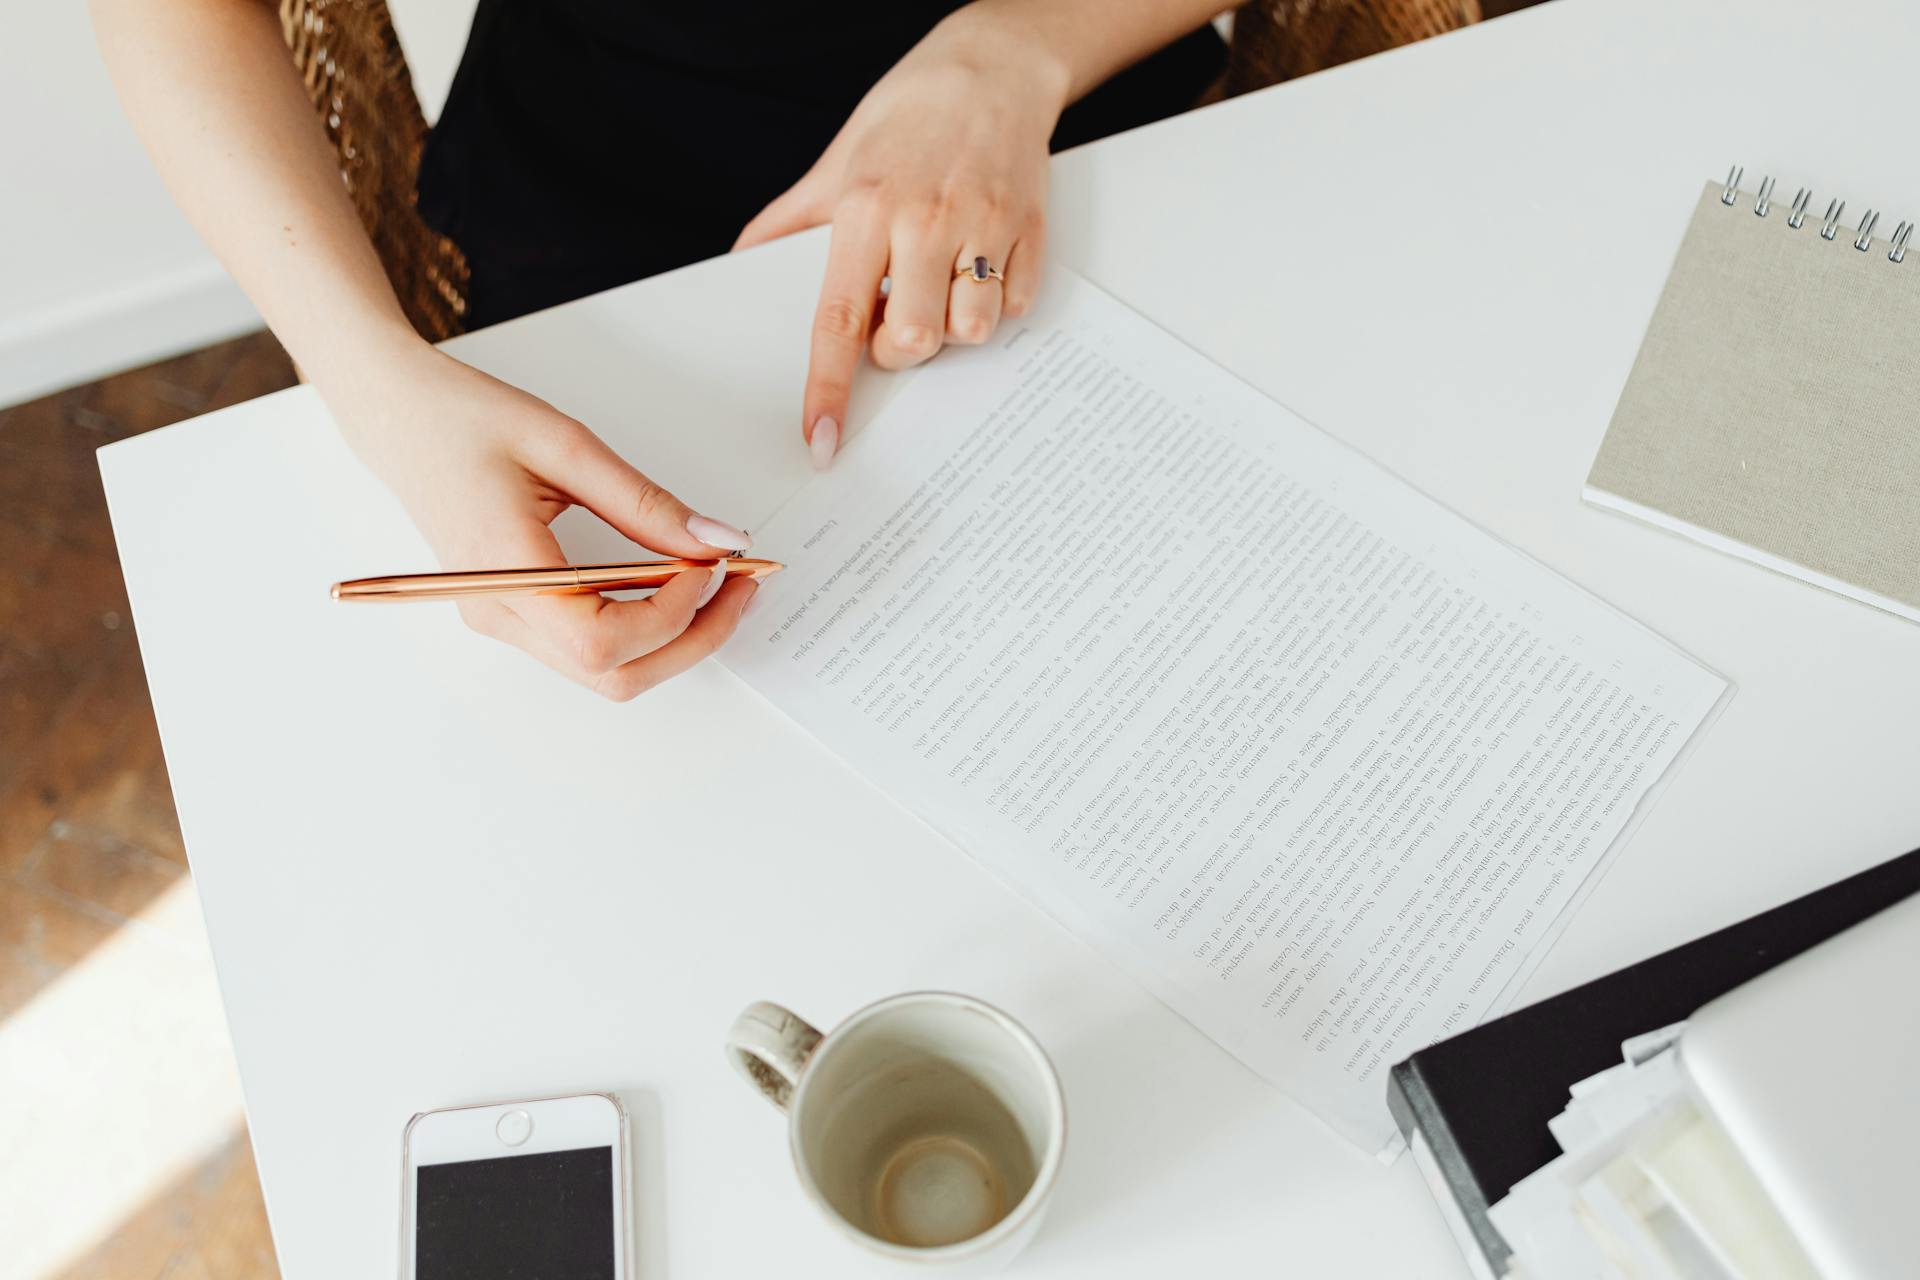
x: 85, y: 338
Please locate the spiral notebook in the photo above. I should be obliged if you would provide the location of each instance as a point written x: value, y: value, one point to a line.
x: 1774, y: 409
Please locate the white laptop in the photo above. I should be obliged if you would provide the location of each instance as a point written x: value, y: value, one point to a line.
x: 1813, y: 1070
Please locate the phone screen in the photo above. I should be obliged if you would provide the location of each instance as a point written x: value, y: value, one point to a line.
x: 513, y: 1217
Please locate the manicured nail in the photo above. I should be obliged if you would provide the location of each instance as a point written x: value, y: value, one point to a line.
x: 715, y: 534
x: 753, y: 593
x: 826, y: 439
x: 714, y: 583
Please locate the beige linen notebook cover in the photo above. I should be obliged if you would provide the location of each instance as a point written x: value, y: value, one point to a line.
x: 1774, y: 409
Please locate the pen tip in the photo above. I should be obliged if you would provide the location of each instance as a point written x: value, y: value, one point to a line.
x: 334, y: 591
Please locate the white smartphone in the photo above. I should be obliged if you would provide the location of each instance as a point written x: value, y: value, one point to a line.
x: 517, y: 1189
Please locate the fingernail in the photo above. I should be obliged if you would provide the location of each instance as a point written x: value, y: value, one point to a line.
x: 714, y: 581
x: 753, y: 593
x: 715, y: 534
x: 826, y: 440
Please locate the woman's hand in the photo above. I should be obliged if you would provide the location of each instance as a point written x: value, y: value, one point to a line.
x: 944, y: 161
x: 484, y: 469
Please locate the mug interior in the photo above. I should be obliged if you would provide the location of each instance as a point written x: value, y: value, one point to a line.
x: 926, y: 1121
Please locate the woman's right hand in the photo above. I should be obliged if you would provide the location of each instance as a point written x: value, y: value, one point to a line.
x: 484, y: 469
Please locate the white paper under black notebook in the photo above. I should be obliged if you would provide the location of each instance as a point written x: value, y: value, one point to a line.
x: 1319, y: 762
x: 1774, y: 410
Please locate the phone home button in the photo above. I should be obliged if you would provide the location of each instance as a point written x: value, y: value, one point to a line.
x: 514, y: 1128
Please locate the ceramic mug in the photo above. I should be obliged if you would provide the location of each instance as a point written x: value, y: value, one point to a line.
x: 928, y: 1127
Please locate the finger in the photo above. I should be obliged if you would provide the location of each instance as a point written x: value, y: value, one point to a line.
x: 973, y: 304
x: 586, y: 470
x: 921, y: 267
x: 711, y: 628
x: 521, y: 636
x: 709, y: 631
x: 512, y: 629
x: 589, y: 635
x: 795, y: 209
x: 856, y: 260
x: 488, y: 617
x: 598, y: 634
x: 1026, y: 263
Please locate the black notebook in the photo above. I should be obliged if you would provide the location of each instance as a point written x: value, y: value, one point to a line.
x: 1480, y: 1102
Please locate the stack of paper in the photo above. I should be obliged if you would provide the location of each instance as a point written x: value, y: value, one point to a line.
x: 1647, y: 1187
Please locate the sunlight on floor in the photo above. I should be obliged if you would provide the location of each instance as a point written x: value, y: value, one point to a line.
x: 118, y: 1078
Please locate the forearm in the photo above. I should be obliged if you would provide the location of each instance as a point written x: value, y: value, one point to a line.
x: 1081, y: 43
x: 214, y: 97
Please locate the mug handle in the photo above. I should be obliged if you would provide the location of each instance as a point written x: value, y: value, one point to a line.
x: 770, y: 1046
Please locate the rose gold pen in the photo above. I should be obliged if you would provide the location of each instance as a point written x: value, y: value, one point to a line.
x: 580, y: 579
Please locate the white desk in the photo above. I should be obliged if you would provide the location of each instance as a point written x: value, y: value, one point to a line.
x: 1446, y: 256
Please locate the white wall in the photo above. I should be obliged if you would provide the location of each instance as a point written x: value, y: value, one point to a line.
x: 98, y: 271
x: 433, y: 32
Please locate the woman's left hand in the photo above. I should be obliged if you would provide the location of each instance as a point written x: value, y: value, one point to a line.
x: 944, y: 161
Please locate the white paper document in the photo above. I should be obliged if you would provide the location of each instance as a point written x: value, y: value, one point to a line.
x: 1313, y: 758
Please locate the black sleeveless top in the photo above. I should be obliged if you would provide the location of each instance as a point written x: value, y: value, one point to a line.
x: 586, y: 143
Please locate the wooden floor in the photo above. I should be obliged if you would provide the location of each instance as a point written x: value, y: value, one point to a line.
x: 87, y: 829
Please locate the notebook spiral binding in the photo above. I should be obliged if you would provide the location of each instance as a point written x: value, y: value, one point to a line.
x: 1829, y: 224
